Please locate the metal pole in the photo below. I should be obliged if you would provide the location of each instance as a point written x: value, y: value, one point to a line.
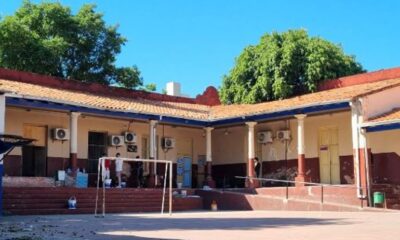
x: 322, y: 193
x: 97, y: 189
x: 165, y: 183
x: 170, y: 188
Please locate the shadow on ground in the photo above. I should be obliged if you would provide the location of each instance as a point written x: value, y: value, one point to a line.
x: 126, y: 226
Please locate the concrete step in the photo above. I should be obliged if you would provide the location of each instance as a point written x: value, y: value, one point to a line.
x: 54, y: 200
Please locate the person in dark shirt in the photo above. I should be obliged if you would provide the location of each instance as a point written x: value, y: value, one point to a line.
x: 257, y: 167
x: 139, y: 173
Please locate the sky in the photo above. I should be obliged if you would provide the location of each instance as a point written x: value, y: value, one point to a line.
x: 196, y: 42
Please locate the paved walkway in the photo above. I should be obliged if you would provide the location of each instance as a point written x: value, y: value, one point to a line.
x: 207, y: 225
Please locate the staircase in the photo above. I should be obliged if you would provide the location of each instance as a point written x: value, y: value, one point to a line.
x: 28, y: 201
x: 392, y: 194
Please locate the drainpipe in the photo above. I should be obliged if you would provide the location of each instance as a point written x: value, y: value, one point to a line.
x: 367, y: 172
x: 356, y: 144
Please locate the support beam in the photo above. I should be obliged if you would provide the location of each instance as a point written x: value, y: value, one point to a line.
x: 301, y: 160
x: 209, y: 180
x: 251, y: 183
x: 153, y: 153
x: 74, y: 116
x: 2, y: 131
x: 359, y: 150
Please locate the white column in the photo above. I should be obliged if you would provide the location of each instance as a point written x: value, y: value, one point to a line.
x: 300, y: 134
x: 251, y: 155
x: 251, y: 145
x: 359, y: 143
x: 2, y: 117
x: 153, y: 143
x: 301, y: 161
x: 73, y: 125
x: 208, y: 144
x: 74, y: 132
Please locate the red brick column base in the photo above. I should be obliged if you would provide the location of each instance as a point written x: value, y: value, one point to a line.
x: 73, y: 161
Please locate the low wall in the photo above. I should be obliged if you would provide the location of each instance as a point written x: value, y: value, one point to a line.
x: 262, y: 201
x: 28, y: 182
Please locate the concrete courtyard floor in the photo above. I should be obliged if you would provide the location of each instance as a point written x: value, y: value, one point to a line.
x: 207, y: 225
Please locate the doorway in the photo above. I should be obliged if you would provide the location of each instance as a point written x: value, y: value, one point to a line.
x: 34, y: 156
x: 97, y: 146
x: 329, y: 163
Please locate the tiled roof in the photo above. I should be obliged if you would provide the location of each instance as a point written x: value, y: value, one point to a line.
x: 333, y: 95
x: 386, y: 117
x: 189, y: 110
x: 184, y: 110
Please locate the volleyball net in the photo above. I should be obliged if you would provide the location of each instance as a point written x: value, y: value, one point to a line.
x: 100, y: 177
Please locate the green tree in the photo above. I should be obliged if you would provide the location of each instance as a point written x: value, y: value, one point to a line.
x: 47, y: 38
x: 284, y: 65
x: 151, y: 87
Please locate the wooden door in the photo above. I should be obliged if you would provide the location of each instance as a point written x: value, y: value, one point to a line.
x: 34, y: 156
x: 329, y: 155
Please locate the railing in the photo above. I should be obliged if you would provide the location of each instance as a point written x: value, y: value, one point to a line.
x: 321, y: 185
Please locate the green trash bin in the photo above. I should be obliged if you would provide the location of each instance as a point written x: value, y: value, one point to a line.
x: 379, y: 198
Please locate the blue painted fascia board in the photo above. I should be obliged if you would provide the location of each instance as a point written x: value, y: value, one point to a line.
x: 43, y: 104
x: 285, y: 113
x: 383, y: 127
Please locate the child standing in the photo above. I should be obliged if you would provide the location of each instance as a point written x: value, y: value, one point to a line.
x: 118, y: 168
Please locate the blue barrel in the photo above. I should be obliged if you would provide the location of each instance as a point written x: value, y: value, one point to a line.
x: 1, y: 189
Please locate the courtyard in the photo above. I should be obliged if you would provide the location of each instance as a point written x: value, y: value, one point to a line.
x: 207, y: 225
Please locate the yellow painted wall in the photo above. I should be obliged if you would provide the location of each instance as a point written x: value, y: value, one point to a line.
x: 16, y: 118
x: 232, y: 148
x: 385, y: 141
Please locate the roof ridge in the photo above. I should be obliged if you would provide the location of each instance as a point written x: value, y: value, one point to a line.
x: 94, y: 88
x: 361, y: 78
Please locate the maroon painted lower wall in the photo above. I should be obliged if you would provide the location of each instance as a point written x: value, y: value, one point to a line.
x: 346, y: 169
x: 385, y: 168
x: 13, y: 165
x: 224, y: 174
x: 287, y: 169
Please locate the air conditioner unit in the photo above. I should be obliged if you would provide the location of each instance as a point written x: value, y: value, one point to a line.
x: 130, y: 137
x: 264, y: 137
x: 168, y: 143
x: 283, y: 135
x: 116, y: 140
x: 60, y: 134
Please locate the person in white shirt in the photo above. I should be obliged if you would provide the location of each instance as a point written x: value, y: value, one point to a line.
x: 118, y: 168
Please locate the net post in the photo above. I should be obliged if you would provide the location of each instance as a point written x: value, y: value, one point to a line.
x: 164, y: 186
x: 170, y: 188
x: 97, y: 189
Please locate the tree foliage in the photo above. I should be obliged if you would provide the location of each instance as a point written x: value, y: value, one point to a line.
x: 284, y: 65
x: 47, y: 38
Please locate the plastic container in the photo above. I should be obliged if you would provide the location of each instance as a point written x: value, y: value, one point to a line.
x: 379, y: 198
x: 61, y: 175
x: 72, y: 203
x: 107, y: 183
x: 81, y: 180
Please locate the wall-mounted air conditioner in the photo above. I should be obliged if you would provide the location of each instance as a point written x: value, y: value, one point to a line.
x: 283, y: 135
x: 168, y: 143
x: 264, y: 137
x: 116, y: 140
x: 60, y: 134
x: 130, y: 137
